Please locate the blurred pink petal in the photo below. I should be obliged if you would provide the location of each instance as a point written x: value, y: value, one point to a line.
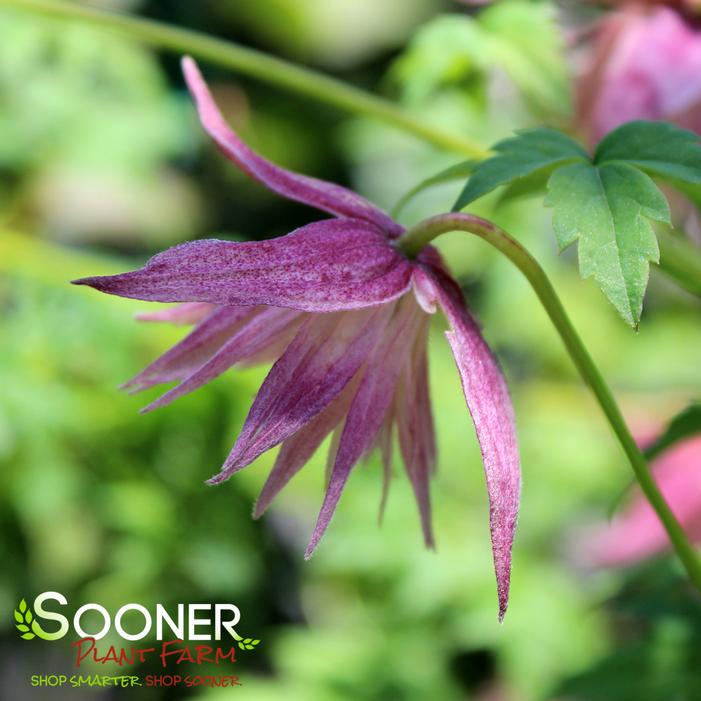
x: 645, y: 64
x: 636, y: 533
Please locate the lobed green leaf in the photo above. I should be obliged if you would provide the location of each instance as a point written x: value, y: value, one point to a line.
x: 658, y: 148
x: 522, y: 156
x: 608, y: 209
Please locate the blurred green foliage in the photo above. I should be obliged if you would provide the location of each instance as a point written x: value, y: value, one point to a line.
x: 514, y: 37
x: 106, y: 505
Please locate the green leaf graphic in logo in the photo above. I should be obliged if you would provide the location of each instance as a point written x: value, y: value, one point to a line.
x: 27, y: 625
x: 24, y: 616
x: 246, y: 643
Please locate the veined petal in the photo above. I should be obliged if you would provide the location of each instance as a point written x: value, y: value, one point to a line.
x: 415, y: 428
x: 297, y: 450
x: 194, y: 350
x: 489, y: 403
x: 268, y: 326
x: 301, y: 188
x: 369, y: 407
x: 329, y: 265
x: 182, y: 315
x: 323, y: 357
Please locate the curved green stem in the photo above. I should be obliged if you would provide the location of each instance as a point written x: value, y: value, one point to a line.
x: 257, y: 65
x: 419, y: 236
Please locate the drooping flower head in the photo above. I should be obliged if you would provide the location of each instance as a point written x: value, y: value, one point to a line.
x: 644, y: 63
x: 344, y: 317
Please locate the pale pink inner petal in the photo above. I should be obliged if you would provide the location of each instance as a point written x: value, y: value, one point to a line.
x: 268, y: 326
x: 316, y: 193
x: 489, y: 403
x: 370, y: 405
x: 195, y: 349
x: 182, y: 315
x: 327, y: 351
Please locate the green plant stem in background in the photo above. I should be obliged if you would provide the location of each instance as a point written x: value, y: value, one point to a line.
x: 422, y: 234
x: 680, y: 260
x: 257, y: 65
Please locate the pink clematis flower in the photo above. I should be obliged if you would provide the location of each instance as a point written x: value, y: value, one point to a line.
x: 344, y: 316
x: 645, y: 63
x: 637, y: 534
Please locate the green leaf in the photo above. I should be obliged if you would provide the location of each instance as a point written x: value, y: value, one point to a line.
x: 455, y: 172
x: 28, y: 636
x: 28, y: 616
x: 18, y: 617
x: 23, y: 606
x: 255, y: 642
x: 521, y: 156
x: 658, y: 148
x: 536, y: 183
x: 22, y: 627
x: 246, y: 640
x: 685, y: 424
x: 608, y: 208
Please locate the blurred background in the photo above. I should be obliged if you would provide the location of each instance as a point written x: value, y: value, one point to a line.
x: 102, y: 164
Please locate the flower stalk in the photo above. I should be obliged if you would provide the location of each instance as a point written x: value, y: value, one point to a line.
x: 416, y: 238
x: 255, y: 64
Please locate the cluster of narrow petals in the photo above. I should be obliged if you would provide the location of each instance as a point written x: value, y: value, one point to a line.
x: 343, y: 316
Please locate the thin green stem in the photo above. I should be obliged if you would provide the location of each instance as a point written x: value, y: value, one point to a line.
x: 419, y: 236
x: 256, y: 65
